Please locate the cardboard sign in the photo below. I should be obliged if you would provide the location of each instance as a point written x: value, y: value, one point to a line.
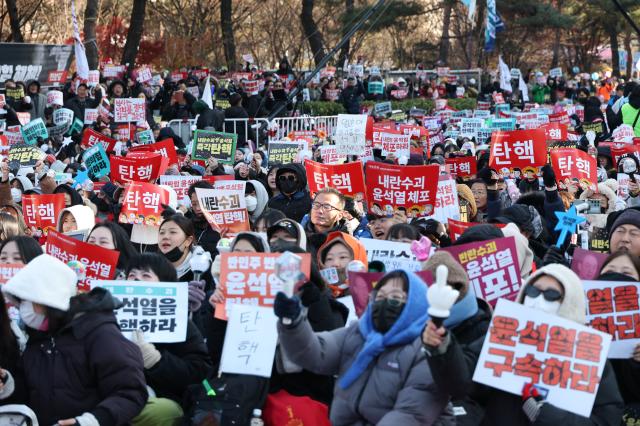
x: 42, y: 210
x: 100, y: 262
x: 447, y: 204
x: 250, y: 279
x: 127, y: 110
x: 571, y: 163
x: 555, y: 131
x: 284, y: 152
x: 250, y: 342
x: 55, y: 97
x: 23, y: 155
x: 36, y: 129
x: 90, y: 116
x: 518, y: 149
x: 96, y: 161
x: 180, y: 184
x: 159, y: 309
x: 586, y: 264
x: 390, y: 187
x: 330, y: 155
x: 347, y: 178
x: 394, y: 255
x: 143, y: 204
x: 350, y: 137
x: 90, y: 137
x: 57, y: 76
x: 524, y: 345
x: 462, y: 166
x: 224, y: 209
x: 166, y: 148
x: 492, y: 266
x: 137, y: 166
x: 221, y: 146
x: 612, y: 307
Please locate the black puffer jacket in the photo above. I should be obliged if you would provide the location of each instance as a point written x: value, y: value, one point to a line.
x: 85, y: 366
x: 296, y: 205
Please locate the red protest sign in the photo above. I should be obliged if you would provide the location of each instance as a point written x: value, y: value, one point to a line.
x: 57, y: 76
x: 571, y: 163
x: 492, y: 266
x: 143, y: 204
x: 137, y: 166
x: 217, y: 178
x: 42, y: 210
x: 250, y: 278
x: 457, y: 227
x: 560, y: 117
x: 518, y: 149
x: 462, y: 166
x: 623, y: 150
x: 390, y: 187
x: 100, y: 262
x: 347, y: 178
x: 90, y: 137
x: 555, y: 131
x: 165, y: 147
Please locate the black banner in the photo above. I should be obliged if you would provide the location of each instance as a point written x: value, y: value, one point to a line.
x: 23, y: 62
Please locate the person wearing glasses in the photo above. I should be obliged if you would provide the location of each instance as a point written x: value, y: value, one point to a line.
x: 294, y: 199
x: 326, y: 216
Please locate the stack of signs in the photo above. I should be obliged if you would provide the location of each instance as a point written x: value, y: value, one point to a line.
x: 394, y: 255
x: 221, y: 146
x: 519, y: 149
x: 159, y: 309
x: 34, y: 130
x: 492, y: 267
x: 250, y: 279
x: 285, y: 152
x: 24, y: 156
x: 96, y: 161
x: 612, y: 307
x: 143, y: 204
x: 100, y: 262
x: 180, y: 184
x: 224, y: 209
x: 347, y: 178
x: 563, y: 358
x: 129, y: 110
x: 42, y: 210
x: 576, y: 164
x: 350, y: 134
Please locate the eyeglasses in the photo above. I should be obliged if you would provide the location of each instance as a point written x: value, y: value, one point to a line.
x: 292, y: 178
x: 324, y: 207
x: 395, y: 299
x: 549, y: 295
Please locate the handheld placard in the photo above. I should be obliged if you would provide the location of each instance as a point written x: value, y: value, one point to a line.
x: 567, y: 223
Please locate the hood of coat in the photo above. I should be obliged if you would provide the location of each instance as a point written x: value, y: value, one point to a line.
x: 298, y: 170
x: 24, y: 181
x: 525, y: 255
x: 355, y: 246
x: 84, y: 216
x: 262, y: 196
x: 89, y: 310
x: 608, y: 189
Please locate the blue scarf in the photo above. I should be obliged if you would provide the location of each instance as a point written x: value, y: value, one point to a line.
x: 462, y: 310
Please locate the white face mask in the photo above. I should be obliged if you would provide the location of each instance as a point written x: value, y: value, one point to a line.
x: 30, y: 317
x: 542, y: 304
x: 16, y: 194
x: 252, y: 203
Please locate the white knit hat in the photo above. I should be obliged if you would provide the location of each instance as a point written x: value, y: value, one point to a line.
x: 46, y: 281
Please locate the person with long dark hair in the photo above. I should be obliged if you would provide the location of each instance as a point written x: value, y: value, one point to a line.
x: 19, y: 250
x: 111, y: 236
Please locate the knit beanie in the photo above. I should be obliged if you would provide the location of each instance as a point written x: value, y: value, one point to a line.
x: 465, y: 193
x: 627, y: 217
x: 457, y: 274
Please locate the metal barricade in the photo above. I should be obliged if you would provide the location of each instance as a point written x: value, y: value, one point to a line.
x: 254, y: 129
x: 183, y: 128
x: 286, y: 125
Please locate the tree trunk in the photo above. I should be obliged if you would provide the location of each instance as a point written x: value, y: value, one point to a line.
x: 615, y: 55
x: 479, y: 32
x: 90, y: 43
x: 344, y: 51
x: 228, y: 39
x: 627, y: 47
x: 311, y: 31
x: 134, y: 35
x: 14, y: 20
x: 443, y: 56
x: 556, y: 42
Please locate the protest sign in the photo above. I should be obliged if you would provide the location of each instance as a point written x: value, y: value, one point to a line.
x: 24, y: 155
x: 137, y: 166
x: 571, y: 163
x: 250, y: 341
x: 100, y: 262
x: 23, y: 118
x: 394, y: 255
x: 598, y: 127
x: 97, y: 162
x: 36, y: 129
x: 619, y: 150
x: 598, y: 240
x: 492, y: 266
x: 56, y: 77
x: 143, y: 204
x: 330, y: 155
x: 143, y: 74
x: 8, y: 270
x: 284, y: 152
x: 469, y: 126
x: 447, y: 204
x: 331, y: 94
x: 347, y: 178
x: 623, y: 133
x: 16, y: 92
x: 382, y: 108
x: 94, y: 78
x: 250, y: 279
x: 518, y: 149
x: 55, y: 97
x: 555, y: 73
x: 113, y: 71
x: 42, y: 210
x: 506, y: 124
x: 159, y: 309
x: 145, y: 137
x: 586, y: 264
x: 127, y: 110
x: 612, y: 307
x: 224, y: 209
x: 180, y: 184
x: 560, y: 117
x: 221, y: 146
x: 14, y: 138
x: 564, y: 358
x: 76, y: 127
x: 396, y: 144
x: 90, y: 137
x: 391, y: 187
x: 350, y: 134
x: 462, y: 166
x: 166, y: 148
x: 2, y: 101
x: 90, y: 115
x: 555, y: 131
x: 238, y: 186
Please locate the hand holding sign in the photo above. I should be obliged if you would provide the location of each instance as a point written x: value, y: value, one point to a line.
x: 441, y: 297
x: 567, y: 223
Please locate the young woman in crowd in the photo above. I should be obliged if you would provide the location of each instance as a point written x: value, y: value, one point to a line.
x: 111, y: 236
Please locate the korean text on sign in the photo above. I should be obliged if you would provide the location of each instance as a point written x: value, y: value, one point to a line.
x: 570, y: 163
x: 42, y: 210
x: 518, y: 149
x: 347, y: 178
x: 394, y: 255
x: 284, y: 152
x: 221, y: 146
x: 562, y: 356
x: 159, y: 309
x: 127, y: 110
x: 224, y: 209
x: 143, y: 204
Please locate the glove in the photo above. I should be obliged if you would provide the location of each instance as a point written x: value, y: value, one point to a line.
x: 532, y: 402
x: 554, y: 255
x: 87, y: 419
x: 196, y: 295
x: 441, y: 296
x: 548, y: 176
x: 309, y: 293
x: 150, y: 355
x: 27, y: 99
x: 286, y: 307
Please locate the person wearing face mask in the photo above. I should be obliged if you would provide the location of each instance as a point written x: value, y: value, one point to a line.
x: 552, y: 290
x: 382, y: 374
x: 205, y: 236
x: 294, y: 199
x: 285, y: 232
x: 95, y: 375
x: 336, y: 253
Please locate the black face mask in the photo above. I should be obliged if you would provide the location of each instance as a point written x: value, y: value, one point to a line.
x: 102, y: 205
x: 288, y: 186
x: 174, y: 254
x: 384, y: 314
x: 615, y: 276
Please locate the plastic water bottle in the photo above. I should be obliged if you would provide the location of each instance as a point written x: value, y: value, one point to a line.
x: 256, y: 419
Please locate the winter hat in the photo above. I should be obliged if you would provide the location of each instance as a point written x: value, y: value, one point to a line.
x: 437, y: 159
x: 572, y: 306
x: 457, y: 274
x: 25, y: 182
x: 483, y: 232
x: 199, y: 106
x: 627, y: 217
x: 46, y: 281
x: 525, y: 255
x: 291, y: 227
x: 465, y: 193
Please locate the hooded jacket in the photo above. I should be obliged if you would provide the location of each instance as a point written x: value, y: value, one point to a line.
x: 38, y: 100
x: 605, y: 188
x: 84, y: 216
x: 525, y: 255
x: 357, y: 249
x: 296, y: 205
x: 263, y: 198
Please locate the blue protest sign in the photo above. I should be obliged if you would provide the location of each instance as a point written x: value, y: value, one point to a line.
x: 96, y: 161
x: 33, y: 130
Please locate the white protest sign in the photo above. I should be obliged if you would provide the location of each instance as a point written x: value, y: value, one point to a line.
x: 398, y: 145
x: 62, y: 116
x: 562, y: 357
x: 350, y: 134
x: 393, y: 254
x: 469, y: 126
x: 555, y: 72
x: 447, y: 204
x: 250, y: 340
x: 128, y: 110
x: 94, y: 78
x: 623, y: 133
x: 144, y: 74
x: 612, y: 307
x: 180, y: 184
x: 330, y: 155
x: 90, y: 115
x: 159, y: 309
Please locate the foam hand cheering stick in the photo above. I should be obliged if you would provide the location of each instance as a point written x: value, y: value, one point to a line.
x: 421, y: 249
x: 441, y: 297
x: 288, y: 267
x: 200, y: 262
